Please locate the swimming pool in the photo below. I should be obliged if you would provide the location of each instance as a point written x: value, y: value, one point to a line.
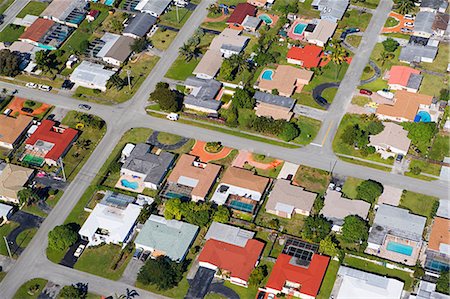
x: 422, y: 116
x: 299, y: 28
x: 267, y: 75
x: 109, y: 2
x: 266, y: 19
x: 399, y: 248
x: 128, y: 184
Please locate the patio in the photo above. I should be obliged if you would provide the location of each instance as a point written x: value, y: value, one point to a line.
x: 395, y: 256
x: 130, y: 183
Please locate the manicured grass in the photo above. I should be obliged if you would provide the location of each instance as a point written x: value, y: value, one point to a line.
x: 162, y: 39
x: 391, y: 22
x: 420, y: 176
x: 32, y: 8
x: 329, y: 94
x: 100, y: 261
x: 182, y: 69
x: 419, y: 204
x: 328, y: 280
x: 249, y: 292
x: 177, y: 292
x: 5, y: 229
x: 218, y: 26
x: 360, y: 100
x: 354, y: 40
x: 167, y: 138
x: 304, y: 8
x: 309, y: 128
x: 225, y: 162
x: 380, y: 270
x: 11, y: 33
x: 312, y: 179
x: 349, y: 188
x: 54, y: 255
x: 291, y: 226
x: 186, y: 148
x: 262, y: 158
x: 214, y: 296
x: 170, y: 18
x: 441, y: 61
x: 34, y: 209
x: 42, y: 79
x: 355, y: 19
x: 440, y: 148
x: 270, y: 173
x: 24, y: 238
x: 305, y: 98
x: 426, y: 167
x: 366, y: 164
x: 367, y: 3
x: 22, y: 292
x: 432, y: 84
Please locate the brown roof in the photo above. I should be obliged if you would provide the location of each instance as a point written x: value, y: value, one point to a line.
x: 393, y: 135
x: 12, y: 128
x: 205, y: 175
x: 244, y: 178
x: 441, y: 21
x: 405, y: 106
x: 37, y: 30
x: 285, y: 79
x: 284, y: 192
x: 240, y: 12
x: 276, y: 112
x: 440, y: 233
x: 121, y: 49
x: 12, y: 180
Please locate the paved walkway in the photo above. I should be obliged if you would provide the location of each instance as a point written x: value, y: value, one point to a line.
x: 199, y: 150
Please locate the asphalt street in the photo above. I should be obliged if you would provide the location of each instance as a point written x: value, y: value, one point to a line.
x: 10, y: 14
x: 120, y: 118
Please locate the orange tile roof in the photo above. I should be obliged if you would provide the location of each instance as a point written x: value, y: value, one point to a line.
x: 37, y: 30
x: 245, y: 179
x: 400, y: 75
x: 239, y: 261
x: 11, y: 128
x: 440, y: 233
x: 405, y: 106
x: 309, y: 55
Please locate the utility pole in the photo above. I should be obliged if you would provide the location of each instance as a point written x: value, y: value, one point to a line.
x: 178, y: 17
x: 129, y: 80
x: 62, y: 169
x: 7, y: 246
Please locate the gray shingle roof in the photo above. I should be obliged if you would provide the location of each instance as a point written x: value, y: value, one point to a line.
x: 414, y: 81
x: 274, y: 99
x: 229, y: 234
x: 434, y: 4
x: 203, y: 93
x: 424, y: 22
x: 397, y: 222
x: 414, y: 53
x: 332, y: 9
x: 141, y: 160
x: 140, y: 24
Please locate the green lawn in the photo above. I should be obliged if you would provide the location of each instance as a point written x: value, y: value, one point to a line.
x: 366, y: 3
x: 309, y: 128
x: 291, y: 226
x: 366, y: 164
x: 5, y: 229
x: 11, y: 33
x: 441, y: 61
x: 161, y: 40
x: 360, y: 100
x: 249, y: 292
x: 32, y: 8
x: 167, y: 138
x: 329, y: 94
x: 312, y: 179
x: 432, y: 84
x: 354, y: 40
x: 440, y: 148
x: 34, y: 209
x: 270, y: 173
x: 305, y: 98
x: 24, y: 238
x: 214, y: 296
x: 218, y: 26
x: 22, y: 292
x: 433, y: 169
x: 5, y: 4
x: 391, y: 22
x: 349, y: 188
x: 101, y: 260
x: 355, y: 19
x: 328, y: 280
x: 380, y: 270
x: 54, y: 255
x: 174, y: 19
x: 419, y: 204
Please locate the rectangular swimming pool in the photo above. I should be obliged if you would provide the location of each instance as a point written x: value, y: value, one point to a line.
x: 399, y: 248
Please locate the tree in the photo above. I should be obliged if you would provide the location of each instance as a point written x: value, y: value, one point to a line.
x: 416, y: 170
x: 188, y: 51
x: 328, y: 247
x: 385, y: 57
x: 214, y: 9
x: 257, y: 276
x: 316, y: 228
x: 227, y: 69
x: 73, y: 292
x: 405, y: 6
x: 354, y: 229
x: 116, y: 81
x: 139, y: 45
x: 369, y: 190
x: 222, y: 214
x: 9, y: 63
x: 172, y: 209
x: 375, y: 127
x: 145, y: 213
x: 338, y: 56
x: 116, y: 25
x: 421, y: 134
x: 390, y: 44
x: 62, y: 237
x: 45, y: 60
x: 289, y: 132
x: 167, y: 99
x: 443, y: 283
x: 83, y: 46
x: 27, y: 196
x: 243, y: 98
x: 161, y: 272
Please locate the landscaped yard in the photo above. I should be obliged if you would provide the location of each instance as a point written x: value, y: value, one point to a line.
x: 36, y: 284
x: 5, y: 229
x: 391, y: 22
x: 291, y: 226
x: 24, y: 238
x: 360, y: 100
x: 440, y: 148
x: 249, y: 292
x: 309, y: 128
x: 328, y: 280
x: 162, y: 39
x: 432, y: 84
x: 176, y: 17
x: 32, y: 8
x: 419, y: 204
x: 441, y: 61
x: 355, y: 19
x: 354, y: 40
x: 349, y: 188
x: 11, y: 33
x: 312, y: 179
x: 304, y: 8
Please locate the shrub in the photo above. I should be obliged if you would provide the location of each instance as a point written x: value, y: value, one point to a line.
x: 369, y: 190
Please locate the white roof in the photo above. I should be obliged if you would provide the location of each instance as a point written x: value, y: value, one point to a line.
x: 445, y: 171
x: 444, y: 208
x: 229, y: 234
x: 156, y: 7
x: 287, y: 169
x: 127, y: 149
x: 117, y: 221
x: 360, y: 284
x: 4, y: 210
x: 109, y: 39
x: 91, y: 73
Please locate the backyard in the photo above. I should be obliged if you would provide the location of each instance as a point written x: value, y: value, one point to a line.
x: 11, y: 33
x: 291, y: 226
x: 419, y: 204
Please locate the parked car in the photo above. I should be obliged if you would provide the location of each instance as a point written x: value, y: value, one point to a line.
x: 31, y: 85
x: 145, y: 255
x: 409, y: 17
x: 405, y: 30
x: 261, y: 295
x: 79, y: 250
x: 172, y: 116
x: 409, y: 24
x: 137, y: 253
x: 386, y: 94
x: 399, y: 158
x: 365, y: 91
x: 44, y: 87
x: 67, y: 84
x: 27, y: 110
x: 84, y: 106
x: 352, y: 30
x: 322, y: 101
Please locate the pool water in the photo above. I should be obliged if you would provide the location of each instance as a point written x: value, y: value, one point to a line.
x: 399, y: 248
x: 241, y: 206
x: 266, y: 19
x: 267, y: 75
x: 109, y: 2
x: 128, y: 184
x: 299, y: 28
x: 423, y: 116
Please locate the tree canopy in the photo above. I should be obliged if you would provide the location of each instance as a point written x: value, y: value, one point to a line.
x: 139, y: 45
x: 328, y: 247
x: 390, y: 44
x: 443, y: 283
x: 354, y: 229
x: 222, y: 214
x: 161, y: 272
x: 369, y: 190
x: 257, y: 276
x: 316, y: 228
x: 27, y: 196
x: 420, y: 134
x: 166, y: 98
x: 78, y: 291
x: 192, y: 212
x: 62, y: 237
x: 289, y: 132
x: 9, y: 63
x: 243, y: 98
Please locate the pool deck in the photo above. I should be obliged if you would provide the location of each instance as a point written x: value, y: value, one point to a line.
x: 296, y: 36
x: 274, y: 18
x: 398, y: 257
x: 140, y: 189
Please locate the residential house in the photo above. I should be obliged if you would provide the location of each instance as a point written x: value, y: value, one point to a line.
x: 414, y: 52
x: 444, y: 208
x: 423, y: 24
x: 441, y: 26
x: 116, y: 48
x: 204, y: 95
x: 67, y: 12
x: 162, y: 237
x: 396, y: 235
x: 404, y: 78
x: 258, y: 3
x: 298, y: 271
x: 405, y: 107
x: 336, y: 208
x: 139, y: 25
x: 146, y: 167
x: 192, y: 178
x: 13, y: 129
x: 92, y: 15
x: 438, y: 250
x: 154, y: 8
x: 274, y: 106
x: 48, y: 143
x: 251, y: 23
x: 209, y: 65
x: 434, y: 5
x: 46, y: 34
x: 5, y: 212
x: 231, y: 252
x: 13, y: 178
x: 91, y: 75
x: 309, y: 56
x: 286, y: 200
x: 427, y: 290
x: 393, y: 140
x: 240, y: 189
x: 240, y: 12
x: 111, y: 221
x: 354, y: 284
x: 126, y: 152
x: 285, y: 79
x: 332, y: 10
x: 321, y: 32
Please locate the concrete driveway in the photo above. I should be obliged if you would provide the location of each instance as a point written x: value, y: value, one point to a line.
x: 130, y: 274
x: 199, y: 286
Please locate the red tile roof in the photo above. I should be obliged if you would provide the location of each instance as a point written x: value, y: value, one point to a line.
x: 239, y: 261
x: 240, y: 12
x: 309, y: 55
x: 61, y: 141
x: 309, y: 278
x: 37, y: 30
x: 400, y: 75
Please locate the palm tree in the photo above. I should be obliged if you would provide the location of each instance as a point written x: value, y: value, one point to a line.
x: 188, y: 51
x: 130, y: 294
x: 338, y: 56
x: 405, y: 6
x: 384, y: 57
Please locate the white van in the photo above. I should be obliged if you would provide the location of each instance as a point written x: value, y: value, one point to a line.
x: 172, y: 116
